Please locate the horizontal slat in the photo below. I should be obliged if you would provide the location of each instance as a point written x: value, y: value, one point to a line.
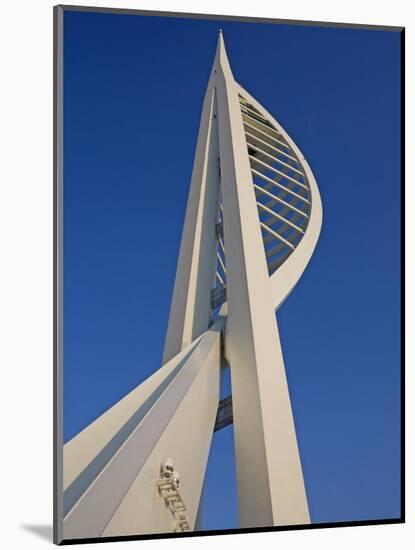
x: 270, y: 146
x: 281, y: 218
x: 279, y: 185
x: 279, y: 172
x: 275, y: 159
x: 282, y: 201
x: 264, y: 125
x: 292, y: 236
x: 221, y: 263
x: 222, y: 246
x: 276, y: 235
x: 267, y: 135
x: 256, y: 113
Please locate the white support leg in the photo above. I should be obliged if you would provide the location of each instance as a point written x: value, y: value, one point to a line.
x: 173, y: 419
x: 269, y: 475
x: 190, y: 312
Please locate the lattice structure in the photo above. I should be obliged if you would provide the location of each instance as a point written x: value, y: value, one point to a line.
x: 282, y: 193
x: 281, y: 186
x: 218, y: 295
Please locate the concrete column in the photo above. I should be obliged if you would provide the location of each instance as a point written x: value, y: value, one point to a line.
x: 269, y: 475
x: 190, y: 312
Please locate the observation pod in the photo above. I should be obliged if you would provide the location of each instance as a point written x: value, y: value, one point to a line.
x: 252, y: 222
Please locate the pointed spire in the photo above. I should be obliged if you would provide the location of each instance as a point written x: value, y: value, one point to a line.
x: 220, y: 44
x: 221, y: 57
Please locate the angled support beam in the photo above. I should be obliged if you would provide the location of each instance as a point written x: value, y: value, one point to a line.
x: 182, y: 397
x: 190, y: 311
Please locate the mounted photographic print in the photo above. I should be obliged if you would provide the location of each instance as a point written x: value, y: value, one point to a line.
x: 227, y: 275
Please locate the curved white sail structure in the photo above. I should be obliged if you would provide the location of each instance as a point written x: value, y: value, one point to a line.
x: 252, y: 222
x: 279, y: 168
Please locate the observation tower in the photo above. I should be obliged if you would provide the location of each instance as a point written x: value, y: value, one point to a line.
x: 252, y: 222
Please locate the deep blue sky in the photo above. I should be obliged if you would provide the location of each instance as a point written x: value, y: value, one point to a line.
x: 133, y: 91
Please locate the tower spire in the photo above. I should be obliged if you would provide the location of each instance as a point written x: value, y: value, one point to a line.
x: 221, y: 56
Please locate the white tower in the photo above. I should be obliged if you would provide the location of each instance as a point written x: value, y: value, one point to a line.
x: 252, y: 222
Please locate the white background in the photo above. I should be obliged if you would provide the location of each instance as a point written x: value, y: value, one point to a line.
x: 26, y: 269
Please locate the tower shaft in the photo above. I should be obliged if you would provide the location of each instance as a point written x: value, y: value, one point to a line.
x: 269, y: 475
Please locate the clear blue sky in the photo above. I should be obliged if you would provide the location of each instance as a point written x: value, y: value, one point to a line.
x: 133, y: 91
